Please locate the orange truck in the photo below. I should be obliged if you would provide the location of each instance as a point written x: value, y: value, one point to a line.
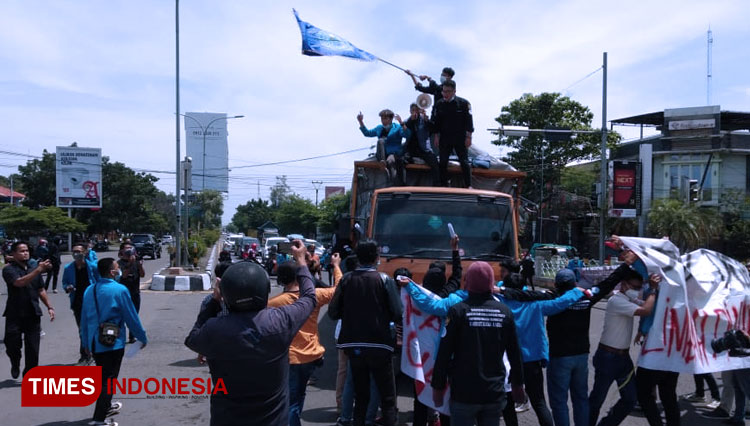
x: 410, y: 223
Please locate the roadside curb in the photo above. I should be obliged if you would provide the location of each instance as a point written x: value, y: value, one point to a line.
x: 197, y: 282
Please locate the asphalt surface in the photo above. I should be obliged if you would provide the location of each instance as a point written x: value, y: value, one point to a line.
x: 167, y: 318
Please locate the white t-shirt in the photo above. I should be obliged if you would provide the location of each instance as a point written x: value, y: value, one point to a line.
x: 618, y: 321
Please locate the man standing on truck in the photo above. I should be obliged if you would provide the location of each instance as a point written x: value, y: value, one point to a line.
x: 389, y: 149
x: 434, y: 89
x: 417, y: 131
x: 453, y: 128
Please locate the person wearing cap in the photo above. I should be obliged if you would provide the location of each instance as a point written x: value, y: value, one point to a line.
x: 248, y: 349
x: 389, y: 149
x: 478, y: 332
x: 432, y: 88
x: 568, y: 333
x: 305, y: 352
x: 612, y: 358
x: 368, y: 304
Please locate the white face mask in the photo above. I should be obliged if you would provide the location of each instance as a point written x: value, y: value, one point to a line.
x: 633, y: 294
x: 443, y: 79
x: 118, y: 276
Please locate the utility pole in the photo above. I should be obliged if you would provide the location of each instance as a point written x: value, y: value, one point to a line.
x: 316, y: 185
x: 187, y: 167
x: 603, y: 204
x: 709, y: 70
x: 177, y: 246
x: 541, y: 197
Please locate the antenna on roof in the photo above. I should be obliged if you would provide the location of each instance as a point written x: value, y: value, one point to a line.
x: 710, y: 40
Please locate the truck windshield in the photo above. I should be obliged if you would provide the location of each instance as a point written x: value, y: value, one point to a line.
x: 417, y: 225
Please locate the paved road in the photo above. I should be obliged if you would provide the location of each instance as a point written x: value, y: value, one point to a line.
x: 167, y: 317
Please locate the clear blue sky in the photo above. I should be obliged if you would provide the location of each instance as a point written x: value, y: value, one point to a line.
x: 102, y: 73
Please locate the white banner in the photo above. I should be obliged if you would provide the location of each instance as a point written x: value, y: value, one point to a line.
x: 206, y: 142
x: 702, y: 295
x: 78, y: 177
x: 421, y: 338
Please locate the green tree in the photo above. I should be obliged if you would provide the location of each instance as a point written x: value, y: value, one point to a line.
x: 211, y: 206
x: 538, y: 156
x: 251, y: 215
x: 24, y: 222
x: 280, y: 192
x: 330, y: 210
x: 297, y: 215
x: 37, y: 178
x: 736, y: 207
x: 686, y: 225
x: 578, y: 181
x: 5, y: 181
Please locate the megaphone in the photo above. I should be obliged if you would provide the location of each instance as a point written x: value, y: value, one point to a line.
x: 424, y: 100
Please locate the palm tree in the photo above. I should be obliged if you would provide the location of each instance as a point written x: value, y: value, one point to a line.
x: 687, y: 225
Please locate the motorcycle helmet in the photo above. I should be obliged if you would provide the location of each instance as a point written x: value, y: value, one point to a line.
x: 245, y: 287
x: 254, y: 246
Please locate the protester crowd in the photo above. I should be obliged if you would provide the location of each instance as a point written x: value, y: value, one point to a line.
x: 428, y: 140
x: 494, y: 354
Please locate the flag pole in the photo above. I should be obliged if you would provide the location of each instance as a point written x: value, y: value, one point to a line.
x: 394, y: 66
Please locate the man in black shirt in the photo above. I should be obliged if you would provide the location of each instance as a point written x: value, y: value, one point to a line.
x: 131, y: 266
x: 22, y: 313
x: 453, y: 128
x: 568, y: 334
x: 478, y: 332
x: 367, y: 303
x: 434, y: 89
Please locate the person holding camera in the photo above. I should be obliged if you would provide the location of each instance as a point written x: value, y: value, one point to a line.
x: 248, y: 349
x: 131, y: 266
x: 306, y: 352
x: 107, y: 307
x: 22, y: 313
x: 612, y: 358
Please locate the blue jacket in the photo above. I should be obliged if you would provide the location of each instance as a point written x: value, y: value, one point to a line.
x: 392, y: 141
x: 529, y: 318
x: 69, y: 274
x: 115, y: 305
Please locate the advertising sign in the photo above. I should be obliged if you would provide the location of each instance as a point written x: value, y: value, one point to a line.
x: 79, y: 177
x: 334, y: 190
x: 206, y: 139
x: 625, y: 188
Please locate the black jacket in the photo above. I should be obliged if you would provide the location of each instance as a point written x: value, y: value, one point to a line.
x: 452, y: 120
x: 22, y: 301
x: 249, y: 351
x: 478, y: 331
x: 568, y: 331
x: 366, y: 302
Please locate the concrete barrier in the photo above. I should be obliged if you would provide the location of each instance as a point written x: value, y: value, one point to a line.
x: 196, y: 282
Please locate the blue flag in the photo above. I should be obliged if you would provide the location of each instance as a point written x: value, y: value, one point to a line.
x: 317, y: 42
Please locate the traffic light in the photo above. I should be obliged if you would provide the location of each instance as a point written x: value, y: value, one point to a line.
x: 693, y: 191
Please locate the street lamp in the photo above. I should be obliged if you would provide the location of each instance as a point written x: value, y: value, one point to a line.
x: 205, y: 130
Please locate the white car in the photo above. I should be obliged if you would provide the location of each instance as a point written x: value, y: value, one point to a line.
x: 319, y: 249
x: 271, y: 242
x: 167, y: 239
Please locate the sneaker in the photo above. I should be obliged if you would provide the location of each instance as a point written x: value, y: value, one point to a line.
x: 342, y: 422
x: 107, y: 422
x: 132, y: 339
x: 54, y: 291
x: 523, y: 406
x: 713, y: 404
x: 692, y: 397
x: 717, y: 413
x: 15, y: 371
x: 42, y: 333
x: 114, y: 408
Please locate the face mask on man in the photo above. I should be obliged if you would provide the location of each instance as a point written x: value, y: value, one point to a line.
x: 443, y: 79
x: 118, y: 276
x: 78, y: 256
x: 633, y: 294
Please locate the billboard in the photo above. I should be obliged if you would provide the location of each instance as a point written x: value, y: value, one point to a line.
x: 79, y: 177
x: 334, y: 190
x: 625, y: 188
x: 206, y: 141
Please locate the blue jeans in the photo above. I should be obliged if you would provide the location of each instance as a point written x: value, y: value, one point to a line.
x: 569, y: 373
x: 299, y: 374
x: 610, y: 367
x: 463, y: 414
x: 347, y: 399
x: 741, y: 383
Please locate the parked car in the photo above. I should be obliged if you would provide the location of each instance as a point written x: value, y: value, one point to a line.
x: 167, y: 239
x: 146, y: 245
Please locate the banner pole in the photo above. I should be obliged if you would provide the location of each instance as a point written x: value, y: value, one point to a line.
x: 394, y: 66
